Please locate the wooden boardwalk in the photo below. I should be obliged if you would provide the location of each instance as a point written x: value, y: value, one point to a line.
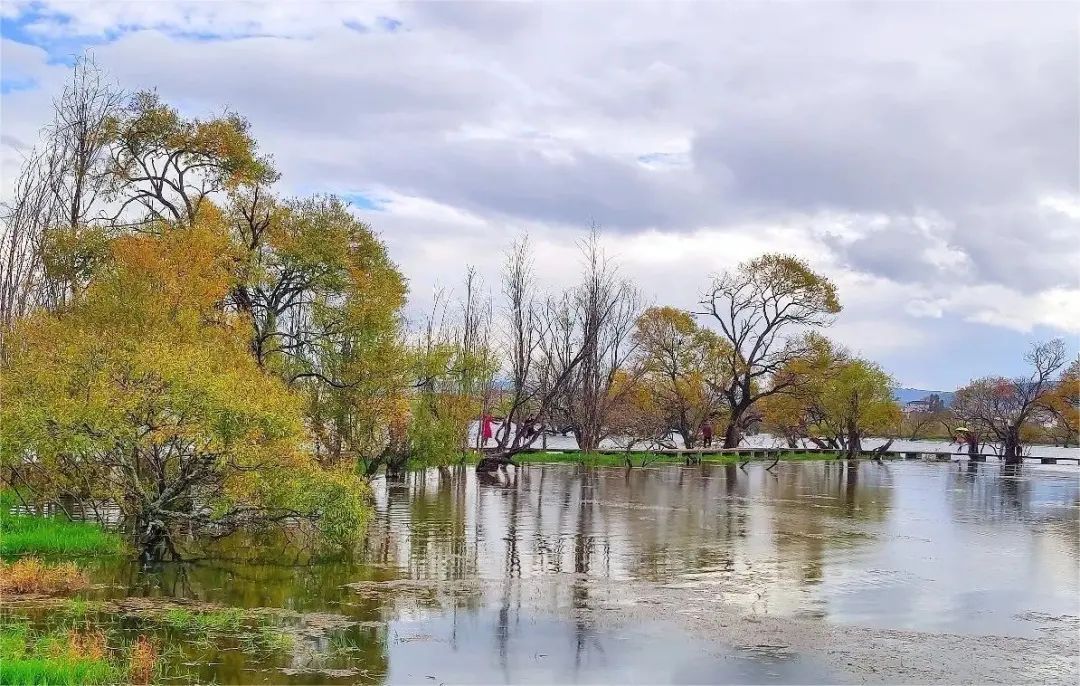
x: 696, y: 454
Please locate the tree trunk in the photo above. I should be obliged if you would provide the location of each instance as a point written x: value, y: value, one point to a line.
x: 495, y: 461
x: 854, y: 441
x: 688, y: 438
x: 732, y: 434
x: 1013, y: 450
x: 152, y: 537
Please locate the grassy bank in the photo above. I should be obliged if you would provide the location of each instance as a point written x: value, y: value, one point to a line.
x: 71, y: 656
x: 22, y: 534
x: 639, y: 459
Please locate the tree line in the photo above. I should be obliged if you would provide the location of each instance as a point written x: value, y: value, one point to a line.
x: 181, y: 342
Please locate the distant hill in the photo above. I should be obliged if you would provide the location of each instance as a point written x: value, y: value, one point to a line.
x: 906, y: 395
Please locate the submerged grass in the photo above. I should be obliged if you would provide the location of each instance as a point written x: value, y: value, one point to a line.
x: 253, y: 631
x: 22, y: 534
x: 226, y: 620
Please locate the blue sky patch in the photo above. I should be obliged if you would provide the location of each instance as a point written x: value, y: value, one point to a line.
x: 364, y: 202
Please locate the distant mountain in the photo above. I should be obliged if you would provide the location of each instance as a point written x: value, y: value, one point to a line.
x: 906, y: 395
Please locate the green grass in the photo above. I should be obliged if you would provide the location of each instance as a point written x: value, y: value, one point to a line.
x: 79, y: 609
x: 272, y: 638
x: 56, y: 671
x: 29, y: 659
x: 52, y: 536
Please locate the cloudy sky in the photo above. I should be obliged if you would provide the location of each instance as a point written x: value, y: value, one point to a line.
x: 925, y: 156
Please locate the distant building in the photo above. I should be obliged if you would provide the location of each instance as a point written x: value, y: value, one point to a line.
x: 931, y: 403
x: 916, y: 406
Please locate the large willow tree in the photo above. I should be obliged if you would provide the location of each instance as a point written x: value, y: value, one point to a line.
x: 141, y: 393
x: 180, y: 342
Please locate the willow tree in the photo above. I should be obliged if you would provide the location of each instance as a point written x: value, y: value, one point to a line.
x: 830, y: 398
x: 452, y: 369
x: 1001, y: 408
x: 1063, y: 403
x: 790, y: 412
x: 141, y: 393
x: 163, y: 166
x: 677, y: 359
x: 760, y: 307
x: 322, y: 300
x: 110, y: 163
x: 855, y: 401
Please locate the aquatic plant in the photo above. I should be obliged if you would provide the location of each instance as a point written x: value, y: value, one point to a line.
x: 208, y: 621
x: 272, y: 638
x: 143, y: 661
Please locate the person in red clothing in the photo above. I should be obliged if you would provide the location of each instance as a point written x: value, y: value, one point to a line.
x: 706, y: 433
x: 485, y: 428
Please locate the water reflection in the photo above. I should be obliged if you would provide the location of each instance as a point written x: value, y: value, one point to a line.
x: 504, y: 578
x: 904, y: 545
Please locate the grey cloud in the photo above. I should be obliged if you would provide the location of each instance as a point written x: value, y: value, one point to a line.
x: 894, y: 252
x: 1023, y: 249
x: 538, y: 114
x: 895, y: 142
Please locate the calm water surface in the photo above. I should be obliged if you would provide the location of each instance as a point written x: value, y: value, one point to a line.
x: 508, y: 578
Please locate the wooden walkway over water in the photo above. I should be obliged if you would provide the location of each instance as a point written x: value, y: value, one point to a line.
x: 697, y: 454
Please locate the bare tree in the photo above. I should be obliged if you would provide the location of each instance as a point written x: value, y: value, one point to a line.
x: 1000, y: 408
x: 56, y: 195
x: 591, y: 324
x: 756, y: 306
x: 534, y: 387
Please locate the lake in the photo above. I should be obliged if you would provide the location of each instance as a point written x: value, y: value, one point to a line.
x: 811, y: 572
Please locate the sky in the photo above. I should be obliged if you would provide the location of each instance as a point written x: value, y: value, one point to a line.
x: 922, y: 155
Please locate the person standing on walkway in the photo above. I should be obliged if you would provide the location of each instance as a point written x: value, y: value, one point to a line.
x: 706, y: 434
x: 485, y: 429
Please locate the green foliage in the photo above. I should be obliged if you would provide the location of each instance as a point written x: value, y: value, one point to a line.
x: 436, y: 439
x: 857, y: 395
x: 169, y: 165
x: 323, y: 300
x: 681, y: 365
x: 70, y: 256
x: 338, y: 499
x: 829, y: 395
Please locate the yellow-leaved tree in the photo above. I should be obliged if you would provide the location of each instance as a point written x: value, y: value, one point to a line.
x: 682, y: 364
x: 829, y: 397
x: 142, y: 393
